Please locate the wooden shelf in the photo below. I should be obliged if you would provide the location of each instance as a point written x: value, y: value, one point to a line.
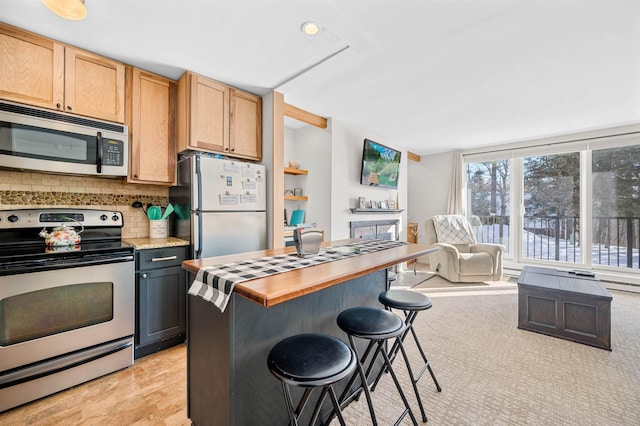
x: 294, y: 198
x: 292, y: 171
x: 377, y: 210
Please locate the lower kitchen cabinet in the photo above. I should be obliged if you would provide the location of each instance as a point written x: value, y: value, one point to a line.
x: 160, y: 299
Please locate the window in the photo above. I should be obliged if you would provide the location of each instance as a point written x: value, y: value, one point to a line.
x: 615, y: 177
x: 575, y: 200
x: 488, y: 186
x: 551, y: 200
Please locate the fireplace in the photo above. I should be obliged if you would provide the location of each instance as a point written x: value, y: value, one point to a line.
x: 375, y: 229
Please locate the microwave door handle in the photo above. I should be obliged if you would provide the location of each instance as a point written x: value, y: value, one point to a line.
x: 99, y: 152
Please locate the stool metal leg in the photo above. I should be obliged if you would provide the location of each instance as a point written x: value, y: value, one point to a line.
x: 395, y: 380
x: 293, y: 419
x: 427, y: 364
x: 337, y: 410
x: 365, y: 386
x: 363, y: 377
x: 410, y: 317
x: 336, y: 405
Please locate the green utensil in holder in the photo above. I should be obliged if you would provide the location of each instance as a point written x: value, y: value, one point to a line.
x: 154, y: 213
x: 167, y: 212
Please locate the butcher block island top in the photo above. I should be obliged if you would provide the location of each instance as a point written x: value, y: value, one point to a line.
x: 282, y: 287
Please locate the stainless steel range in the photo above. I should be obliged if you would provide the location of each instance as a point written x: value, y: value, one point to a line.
x: 66, y: 313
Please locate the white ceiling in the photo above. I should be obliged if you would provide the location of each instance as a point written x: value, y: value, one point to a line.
x: 429, y: 76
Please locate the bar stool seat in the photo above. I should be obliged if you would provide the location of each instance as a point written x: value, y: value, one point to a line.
x: 405, y: 300
x: 311, y: 361
x: 411, y: 303
x: 376, y: 325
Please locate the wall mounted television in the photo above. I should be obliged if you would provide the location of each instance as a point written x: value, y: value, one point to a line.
x: 380, y: 165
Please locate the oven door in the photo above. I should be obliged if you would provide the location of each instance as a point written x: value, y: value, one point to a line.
x: 56, y: 312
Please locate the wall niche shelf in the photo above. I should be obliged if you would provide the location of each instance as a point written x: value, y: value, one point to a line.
x: 292, y: 171
x: 296, y: 198
x: 356, y: 211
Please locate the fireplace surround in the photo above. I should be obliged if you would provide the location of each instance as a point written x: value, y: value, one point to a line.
x: 375, y: 229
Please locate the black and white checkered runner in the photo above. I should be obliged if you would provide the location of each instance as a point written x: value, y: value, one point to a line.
x: 215, y: 283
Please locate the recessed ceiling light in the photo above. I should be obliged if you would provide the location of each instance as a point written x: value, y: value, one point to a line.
x: 310, y: 28
x: 68, y: 9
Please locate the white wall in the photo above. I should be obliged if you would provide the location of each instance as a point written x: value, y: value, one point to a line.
x: 346, y: 157
x: 428, y: 190
x: 311, y: 147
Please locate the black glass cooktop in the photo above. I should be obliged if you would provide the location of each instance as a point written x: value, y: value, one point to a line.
x: 38, y: 257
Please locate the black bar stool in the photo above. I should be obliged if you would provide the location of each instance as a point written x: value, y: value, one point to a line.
x: 311, y: 361
x: 376, y: 325
x: 411, y: 303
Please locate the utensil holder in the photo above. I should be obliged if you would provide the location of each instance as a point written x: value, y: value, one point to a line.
x: 158, y: 228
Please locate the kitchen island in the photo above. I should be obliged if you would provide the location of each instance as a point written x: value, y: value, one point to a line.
x: 227, y: 377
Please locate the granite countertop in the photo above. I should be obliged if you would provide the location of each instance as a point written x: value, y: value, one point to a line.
x: 152, y: 243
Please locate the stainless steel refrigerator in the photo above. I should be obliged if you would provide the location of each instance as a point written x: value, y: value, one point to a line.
x: 219, y: 205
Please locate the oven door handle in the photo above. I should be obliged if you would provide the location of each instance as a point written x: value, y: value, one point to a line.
x: 88, y: 262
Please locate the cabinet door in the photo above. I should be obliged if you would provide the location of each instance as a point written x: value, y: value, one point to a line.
x: 245, y: 135
x: 209, y: 120
x: 161, y: 304
x: 94, y: 85
x: 31, y: 68
x: 151, y: 121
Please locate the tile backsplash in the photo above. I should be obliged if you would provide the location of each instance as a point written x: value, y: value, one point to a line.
x: 24, y: 190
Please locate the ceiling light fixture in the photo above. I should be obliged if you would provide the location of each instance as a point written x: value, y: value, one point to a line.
x: 310, y: 28
x: 68, y: 9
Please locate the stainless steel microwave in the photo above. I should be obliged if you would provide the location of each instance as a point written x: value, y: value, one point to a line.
x: 48, y: 141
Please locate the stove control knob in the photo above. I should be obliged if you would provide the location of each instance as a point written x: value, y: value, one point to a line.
x: 103, y: 217
x: 13, y: 218
x: 115, y: 218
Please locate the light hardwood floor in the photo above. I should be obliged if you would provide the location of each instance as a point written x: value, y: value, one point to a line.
x: 151, y: 392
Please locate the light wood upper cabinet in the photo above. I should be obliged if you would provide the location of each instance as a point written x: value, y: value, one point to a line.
x: 245, y: 131
x: 41, y: 72
x: 217, y: 118
x: 203, y: 114
x: 151, y: 101
x: 93, y: 85
x: 31, y: 68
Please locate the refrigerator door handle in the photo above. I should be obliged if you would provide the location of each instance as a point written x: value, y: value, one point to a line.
x: 198, y: 183
x: 197, y: 240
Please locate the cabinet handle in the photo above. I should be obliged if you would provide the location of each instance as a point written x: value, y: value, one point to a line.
x: 58, y: 105
x: 144, y: 275
x: 162, y: 259
x: 69, y: 107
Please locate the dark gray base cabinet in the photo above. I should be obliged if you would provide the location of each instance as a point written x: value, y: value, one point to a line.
x: 161, y: 299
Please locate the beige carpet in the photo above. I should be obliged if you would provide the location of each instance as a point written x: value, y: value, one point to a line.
x: 429, y: 280
x: 492, y: 373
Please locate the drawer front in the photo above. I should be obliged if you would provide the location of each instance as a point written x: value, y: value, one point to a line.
x: 161, y: 258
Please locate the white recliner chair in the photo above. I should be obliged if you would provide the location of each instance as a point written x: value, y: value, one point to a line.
x: 461, y: 258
